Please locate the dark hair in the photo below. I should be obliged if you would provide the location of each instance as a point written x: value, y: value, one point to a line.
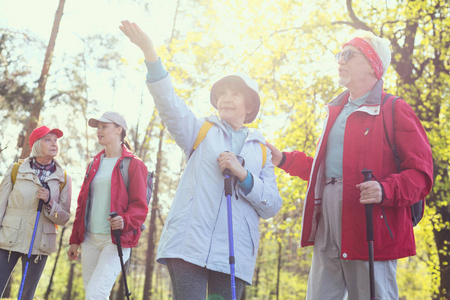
x: 123, y: 140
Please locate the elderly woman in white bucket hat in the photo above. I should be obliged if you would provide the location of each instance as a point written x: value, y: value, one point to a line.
x: 194, y: 240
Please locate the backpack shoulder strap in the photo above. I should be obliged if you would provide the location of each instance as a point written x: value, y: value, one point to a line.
x: 62, y: 185
x: 14, y: 172
x: 202, y: 134
x: 264, y: 153
x: 204, y: 130
x: 124, y: 166
x: 392, y: 145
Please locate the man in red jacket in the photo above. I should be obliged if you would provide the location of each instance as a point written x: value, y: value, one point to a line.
x: 354, y: 138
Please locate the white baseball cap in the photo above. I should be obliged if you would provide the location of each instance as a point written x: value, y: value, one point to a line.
x: 109, y: 117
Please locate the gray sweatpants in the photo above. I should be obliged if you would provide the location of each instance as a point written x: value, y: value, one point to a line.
x: 330, y: 276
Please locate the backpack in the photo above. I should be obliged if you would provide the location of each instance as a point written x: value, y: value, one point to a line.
x: 202, y: 134
x: 124, y: 166
x: 15, y: 170
x: 417, y: 209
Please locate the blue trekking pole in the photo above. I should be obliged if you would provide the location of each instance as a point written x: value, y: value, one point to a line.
x: 228, y: 192
x: 369, y: 231
x: 39, y: 209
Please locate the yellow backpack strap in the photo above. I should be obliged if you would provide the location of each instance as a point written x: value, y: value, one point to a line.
x: 62, y: 185
x: 202, y: 134
x: 14, y: 172
x: 264, y: 153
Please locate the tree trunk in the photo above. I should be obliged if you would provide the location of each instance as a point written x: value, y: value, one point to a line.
x: 258, y: 267
x: 70, y: 281
x: 280, y: 248
x: 39, y: 93
x: 120, y: 294
x: 50, y: 283
x: 151, y: 246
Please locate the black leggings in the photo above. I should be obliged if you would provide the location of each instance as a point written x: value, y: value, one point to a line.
x: 8, y: 261
x: 189, y: 282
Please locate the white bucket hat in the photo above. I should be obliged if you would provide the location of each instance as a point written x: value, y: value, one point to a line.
x: 252, y: 86
x: 109, y: 117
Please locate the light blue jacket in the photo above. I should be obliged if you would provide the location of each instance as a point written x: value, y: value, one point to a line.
x: 196, y: 229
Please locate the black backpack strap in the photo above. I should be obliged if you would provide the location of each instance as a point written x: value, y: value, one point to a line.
x: 392, y: 145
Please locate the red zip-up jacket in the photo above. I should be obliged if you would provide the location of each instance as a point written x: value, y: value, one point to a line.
x: 131, y: 205
x: 365, y: 146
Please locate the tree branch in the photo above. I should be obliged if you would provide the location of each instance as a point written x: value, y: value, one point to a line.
x: 357, y: 23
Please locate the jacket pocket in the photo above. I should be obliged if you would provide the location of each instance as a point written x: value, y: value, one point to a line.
x: 9, y: 230
x: 48, y: 238
x: 253, y: 237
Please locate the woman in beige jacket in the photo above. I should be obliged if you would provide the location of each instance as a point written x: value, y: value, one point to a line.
x: 39, y: 176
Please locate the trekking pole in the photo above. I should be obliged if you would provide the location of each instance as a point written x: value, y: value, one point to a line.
x: 369, y: 227
x: 228, y: 192
x: 117, y: 233
x: 39, y: 209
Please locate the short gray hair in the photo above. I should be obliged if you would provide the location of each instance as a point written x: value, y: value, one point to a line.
x: 380, y: 45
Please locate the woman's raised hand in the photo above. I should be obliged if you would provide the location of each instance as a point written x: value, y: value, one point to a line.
x: 139, y: 38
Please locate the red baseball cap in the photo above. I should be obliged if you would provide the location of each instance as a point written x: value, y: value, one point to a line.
x: 41, y: 131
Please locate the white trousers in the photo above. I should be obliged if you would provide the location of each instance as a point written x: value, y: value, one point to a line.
x: 100, y: 265
x: 330, y: 276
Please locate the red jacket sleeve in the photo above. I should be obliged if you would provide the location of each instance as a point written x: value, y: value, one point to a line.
x: 135, y: 214
x: 415, y: 180
x: 297, y: 164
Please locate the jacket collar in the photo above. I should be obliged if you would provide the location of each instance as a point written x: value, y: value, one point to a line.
x: 374, y: 97
x: 125, y: 153
x: 253, y: 134
x: 25, y: 167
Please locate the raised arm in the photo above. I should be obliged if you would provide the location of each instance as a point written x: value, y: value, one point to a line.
x: 139, y: 38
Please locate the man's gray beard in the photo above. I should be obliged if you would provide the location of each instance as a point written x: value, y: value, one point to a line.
x: 344, y: 81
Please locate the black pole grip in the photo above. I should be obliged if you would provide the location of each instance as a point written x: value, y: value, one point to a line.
x: 369, y: 222
x: 367, y: 174
x: 368, y: 207
x: 117, y: 232
x: 226, y: 173
x: 40, y: 205
x: 227, y: 184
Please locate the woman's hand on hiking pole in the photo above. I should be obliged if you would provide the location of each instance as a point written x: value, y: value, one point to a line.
x: 116, y: 223
x: 73, y: 252
x: 139, y: 38
x: 277, y: 155
x: 43, y: 194
x: 227, y: 160
x: 371, y: 192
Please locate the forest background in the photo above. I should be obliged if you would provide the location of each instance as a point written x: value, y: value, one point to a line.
x: 87, y: 67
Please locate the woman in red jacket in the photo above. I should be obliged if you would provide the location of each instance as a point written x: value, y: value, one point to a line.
x: 104, y: 191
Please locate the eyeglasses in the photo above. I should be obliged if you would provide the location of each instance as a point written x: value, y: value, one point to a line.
x: 347, y: 55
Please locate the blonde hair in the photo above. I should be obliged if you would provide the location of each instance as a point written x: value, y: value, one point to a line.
x: 36, y: 150
x: 380, y: 45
